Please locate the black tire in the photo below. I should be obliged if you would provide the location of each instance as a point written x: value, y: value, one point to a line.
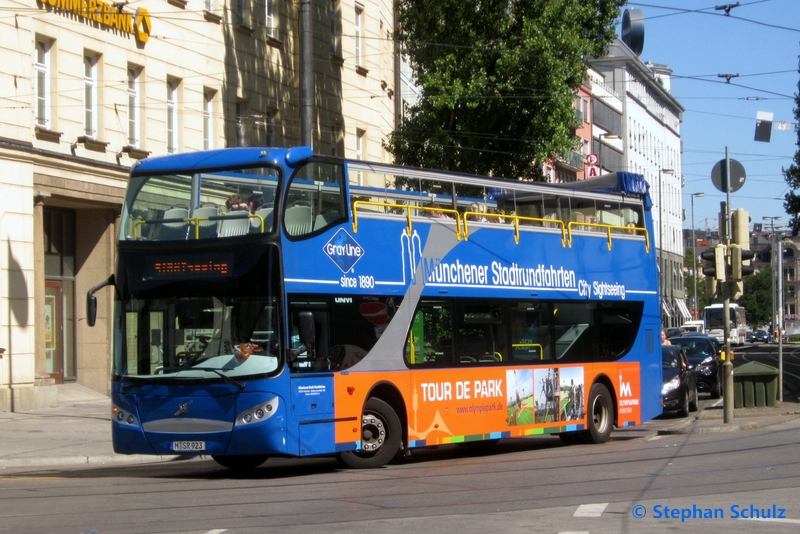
x: 600, y: 418
x: 570, y: 438
x: 716, y: 391
x: 683, y: 411
x: 241, y: 462
x: 380, y: 437
x: 693, y: 403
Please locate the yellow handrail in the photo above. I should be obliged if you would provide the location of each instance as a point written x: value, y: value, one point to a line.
x: 608, y: 228
x: 516, y: 219
x: 407, y: 209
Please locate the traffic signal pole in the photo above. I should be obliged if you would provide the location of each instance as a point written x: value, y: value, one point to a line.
x: 727, y: 365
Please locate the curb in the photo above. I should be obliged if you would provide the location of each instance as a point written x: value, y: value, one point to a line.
x: 116, y: 459
x: 709, y: 429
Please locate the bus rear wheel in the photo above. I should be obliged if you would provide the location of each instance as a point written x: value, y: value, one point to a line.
x: 380, y: 437
x: 600, y: 417
x: 241, y: 462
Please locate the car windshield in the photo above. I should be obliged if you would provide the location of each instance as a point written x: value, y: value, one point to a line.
x: 696, y: 349
x: 669, y: 359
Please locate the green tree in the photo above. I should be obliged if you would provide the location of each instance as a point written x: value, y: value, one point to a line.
x: 703, y: 299
x: 792, y: 175
x: 497, y: 79
x: 757, y: 298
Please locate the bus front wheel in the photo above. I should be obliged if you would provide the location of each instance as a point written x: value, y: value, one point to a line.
x: 380, y: 437
x: 600, y: 417
x: 241, y: 462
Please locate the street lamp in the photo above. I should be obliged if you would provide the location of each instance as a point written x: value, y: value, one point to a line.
x: 694, y: 257
x: 662, y: 267
x: 772, y: 252
x: 778, y: 315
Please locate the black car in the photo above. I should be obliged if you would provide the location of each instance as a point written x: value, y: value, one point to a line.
x: 675, y: 332
x: 679, y: 392
x: 704, y: 358
x: 760, y: 335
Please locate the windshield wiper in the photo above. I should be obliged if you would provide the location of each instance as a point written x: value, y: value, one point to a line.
x: 159, y: 378
x: 222, y: 375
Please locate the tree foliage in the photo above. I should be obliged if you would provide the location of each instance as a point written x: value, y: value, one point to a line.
x: 792, y: 175
x: 497, y: 80
x: 757, y: 298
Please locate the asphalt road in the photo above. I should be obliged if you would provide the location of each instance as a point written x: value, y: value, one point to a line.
x: 634, y: 483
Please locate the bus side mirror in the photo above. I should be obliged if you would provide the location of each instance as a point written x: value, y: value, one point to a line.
x: 307, y: 327
x: 91, y: 309
x: 91, y: 300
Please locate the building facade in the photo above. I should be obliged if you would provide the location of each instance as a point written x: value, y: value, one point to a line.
x: 93, y: 86
x: 637, y: 129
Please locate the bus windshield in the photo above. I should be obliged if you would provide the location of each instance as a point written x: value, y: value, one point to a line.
x: 170, y: 207
x: 191, y: 315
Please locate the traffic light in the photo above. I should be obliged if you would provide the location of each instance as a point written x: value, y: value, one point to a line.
x: 714, y: 262
x: 714, y: 265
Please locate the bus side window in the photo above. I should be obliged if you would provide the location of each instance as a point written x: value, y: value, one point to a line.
x: 530, y: 332
x: 430, y: 340
x: 481, y: 335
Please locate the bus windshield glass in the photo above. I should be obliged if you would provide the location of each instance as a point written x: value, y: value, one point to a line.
x: 172, y: 207
x: 198, y: 315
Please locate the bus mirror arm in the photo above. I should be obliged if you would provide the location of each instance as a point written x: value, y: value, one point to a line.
x: 91, y: 300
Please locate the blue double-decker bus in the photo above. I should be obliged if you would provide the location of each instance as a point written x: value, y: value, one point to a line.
x: 273, y: 302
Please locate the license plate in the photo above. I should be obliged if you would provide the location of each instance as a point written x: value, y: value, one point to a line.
x: 188, y: 446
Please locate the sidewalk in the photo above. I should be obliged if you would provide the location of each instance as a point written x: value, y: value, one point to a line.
x: 78, y: 431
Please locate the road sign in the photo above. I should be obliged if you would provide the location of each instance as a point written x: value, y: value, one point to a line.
x: 719, y: 178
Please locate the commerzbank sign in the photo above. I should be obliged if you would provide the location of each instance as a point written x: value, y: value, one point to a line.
x: 136, y: 23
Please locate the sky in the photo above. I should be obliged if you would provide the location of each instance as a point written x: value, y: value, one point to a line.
x: 759, y: 41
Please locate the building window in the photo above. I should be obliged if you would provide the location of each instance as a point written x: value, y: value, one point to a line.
x: 172, y: 115
x: 134, y: 123
x: 241, y: 127
x: 334, y: 27
x: 270, y: 14
x: 90, y: 95
x: 208, y: 5
x: 42, y: 68
x: 334, y: 140
x: 357, y: 31
x: 269, y: 120
x: 208, y: 120
x: 241, y: 14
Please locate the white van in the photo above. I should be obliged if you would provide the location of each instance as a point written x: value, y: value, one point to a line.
x: 695, y: 326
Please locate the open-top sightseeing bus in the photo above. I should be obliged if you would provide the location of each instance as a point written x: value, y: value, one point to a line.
x: 332, y: 318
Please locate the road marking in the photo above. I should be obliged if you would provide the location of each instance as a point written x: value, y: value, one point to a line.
x: 590, y: 510
x: 217, y: 531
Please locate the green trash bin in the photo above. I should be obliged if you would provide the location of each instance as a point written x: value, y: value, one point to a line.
x: 755, y: 385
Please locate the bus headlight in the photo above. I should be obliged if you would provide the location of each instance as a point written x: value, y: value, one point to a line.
x: 258, y: 413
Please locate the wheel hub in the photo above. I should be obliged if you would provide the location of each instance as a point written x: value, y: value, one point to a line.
x: 373, y: 433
